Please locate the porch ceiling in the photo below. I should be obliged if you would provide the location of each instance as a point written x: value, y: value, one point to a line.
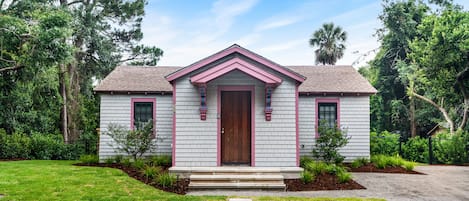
x: 236, y: 64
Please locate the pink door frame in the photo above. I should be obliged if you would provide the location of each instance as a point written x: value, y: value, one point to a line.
x: 250, y: 88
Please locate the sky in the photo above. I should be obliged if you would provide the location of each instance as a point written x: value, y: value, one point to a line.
x: 190, y: 30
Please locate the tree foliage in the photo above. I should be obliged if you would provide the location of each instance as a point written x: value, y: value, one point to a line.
x: 330, y: 41
x: 134, y: 142
x: 329, y: 142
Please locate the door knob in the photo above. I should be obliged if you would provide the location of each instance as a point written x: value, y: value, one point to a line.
x: 222, y: 130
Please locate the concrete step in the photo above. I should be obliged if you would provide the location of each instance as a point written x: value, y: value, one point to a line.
x: 236, y: 177
x: 236, y: 185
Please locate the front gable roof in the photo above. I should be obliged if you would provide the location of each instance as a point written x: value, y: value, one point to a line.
x: 236, y: 64
x: 231, y: 50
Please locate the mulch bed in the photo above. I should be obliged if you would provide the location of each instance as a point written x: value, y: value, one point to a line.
x: 370, y: 167
x: 180, y: 187
x: 322, y: 182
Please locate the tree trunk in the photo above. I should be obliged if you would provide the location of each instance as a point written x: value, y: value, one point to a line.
x: 466, y: 105
x: 442, y: 110
x: 63, y: 93
x: 413, y: 126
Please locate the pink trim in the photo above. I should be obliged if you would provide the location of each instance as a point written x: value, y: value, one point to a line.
x: 253, y: 121
x: 137, y: 100
x: 228, y: 51
x: 173, y: 151
x: 326, y: 100
x: 235, y: 64
x: 297, y: 128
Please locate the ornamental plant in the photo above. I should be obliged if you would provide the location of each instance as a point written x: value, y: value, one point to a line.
x: 327, y: 145
x: 133, y: 142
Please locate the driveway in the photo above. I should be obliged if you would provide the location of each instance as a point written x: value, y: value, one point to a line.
x: 440, y: 183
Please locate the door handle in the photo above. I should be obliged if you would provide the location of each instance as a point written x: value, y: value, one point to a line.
x: 222, y: 130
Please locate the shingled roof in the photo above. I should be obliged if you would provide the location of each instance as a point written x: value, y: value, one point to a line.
x: 332, y: 79
x: 137, y: 79
x: 320, y: 80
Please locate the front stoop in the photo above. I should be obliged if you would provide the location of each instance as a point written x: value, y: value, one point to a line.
x: 236, y: 178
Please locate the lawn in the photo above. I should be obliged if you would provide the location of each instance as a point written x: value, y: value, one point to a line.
x: 60, y: 180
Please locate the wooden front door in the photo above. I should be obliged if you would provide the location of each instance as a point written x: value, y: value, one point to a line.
x: 236, y: 127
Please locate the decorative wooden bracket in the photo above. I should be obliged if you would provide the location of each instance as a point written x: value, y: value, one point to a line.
x: 268, y: 102
x: 203, y: 102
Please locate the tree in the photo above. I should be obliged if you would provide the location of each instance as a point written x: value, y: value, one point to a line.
x: 391, y: 108
x: 329, y: 142
x: 330, y: 41
x: 32, y: 44
x: 439, y: 73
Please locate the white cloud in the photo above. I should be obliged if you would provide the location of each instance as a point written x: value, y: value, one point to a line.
x: 276, y: 23
x: 290, y: 45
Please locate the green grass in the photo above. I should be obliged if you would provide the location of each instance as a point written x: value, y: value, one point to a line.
x: 60, y: 180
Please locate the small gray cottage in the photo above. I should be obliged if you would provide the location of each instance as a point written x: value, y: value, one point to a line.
x: 236, y: 107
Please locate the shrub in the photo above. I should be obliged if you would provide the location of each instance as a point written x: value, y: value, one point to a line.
x: 109, y: 160
x: 16, y: 145
x: 126, y: 162
x: 344, y: 177
x: 385, y: 143
x: 416, y: 149
x: 451, y: 149
x: 138, y: 163
x: 118, y: 158
x: 329, y: 142
x: 382, y: 161
x: 335, y: 169
x: 409, y: 166
x: 307, y: 177
x: 51, y: 146
x: 135, y: 142
x: 305, y: 160
x: 359, y: 162
x: 167, y: 180
x: 316, y: 167
x: 151, y: 172
x: 89, y: 159
x: 163, y: 160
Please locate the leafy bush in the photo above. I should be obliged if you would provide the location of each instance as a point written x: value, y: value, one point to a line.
x: 126, y: 162
x: 385, y: 143
x: 151, y: 172
x: 89, y: 159
x: 118, y: 158
x: 335, y: 169
x: 382, y: 161
x: 409, y: 166
x: 16, y: 145
x: 109, y: 160
x: 451, y: 149
x: 167, y: 180
x: 163, y: 160
x: 359, y: 162
x: 316, y: 167
x: 51, y: 147
x: 416, y: 149
x: 138, y: 164
x: 329, y: 142
x: 305, y: 160
x: 36, y: 146
x: 344, y: 176
x: 134, y: 142
x: 307, y: 177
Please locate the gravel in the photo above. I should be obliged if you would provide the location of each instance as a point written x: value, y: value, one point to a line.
x: 440, y: 183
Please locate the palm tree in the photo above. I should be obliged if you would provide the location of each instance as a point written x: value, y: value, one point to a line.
x: 331, y: 43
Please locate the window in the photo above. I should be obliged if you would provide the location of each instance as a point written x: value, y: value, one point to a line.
x: 143, y: 111
x: 327, y: 111
x: 327, y: 114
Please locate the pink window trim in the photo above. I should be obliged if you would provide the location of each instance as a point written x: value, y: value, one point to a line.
x: 253, y: 125
x: 228, y: 51
x: 139, y: 100
x: 326, y: 100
